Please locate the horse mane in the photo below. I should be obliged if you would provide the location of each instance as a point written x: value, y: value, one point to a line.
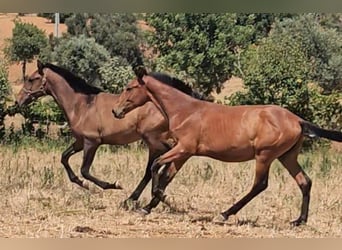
x: 77, y: 83
x: 176, y: 83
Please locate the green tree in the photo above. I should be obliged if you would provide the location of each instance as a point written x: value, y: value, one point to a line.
x: 262, y: 22
x: 26, y: 42
x: 322, y: 45
x: 278, y: 71
x: 200, y: 48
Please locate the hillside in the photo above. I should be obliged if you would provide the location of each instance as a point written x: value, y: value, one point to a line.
x: 6, y: 26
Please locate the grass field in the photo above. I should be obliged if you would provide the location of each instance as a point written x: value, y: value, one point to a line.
x: 38, y: 200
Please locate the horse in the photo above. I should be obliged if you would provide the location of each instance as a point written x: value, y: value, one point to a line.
x: 87, y: 111
x: 226, y: 133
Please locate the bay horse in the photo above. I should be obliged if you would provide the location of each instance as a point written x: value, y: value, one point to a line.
x: 226, y: 133
x: 88, y: 113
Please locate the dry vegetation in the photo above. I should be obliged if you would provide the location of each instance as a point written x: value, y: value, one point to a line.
x: 37, y: 199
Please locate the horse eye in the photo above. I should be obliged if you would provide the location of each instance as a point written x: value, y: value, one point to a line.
x: 128, y: 89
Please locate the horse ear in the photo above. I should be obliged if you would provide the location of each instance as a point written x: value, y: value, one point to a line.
x: 40, y: 67
x: 140, y: 71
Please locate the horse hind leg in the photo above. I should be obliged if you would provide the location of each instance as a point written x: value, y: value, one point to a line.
x: 259, y: 185
x: 290, y: 162
x: 164, y: 178
x: 88, y: 157
x: 76, y: 147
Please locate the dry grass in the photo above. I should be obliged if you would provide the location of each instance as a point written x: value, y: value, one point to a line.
x: 37, y: 199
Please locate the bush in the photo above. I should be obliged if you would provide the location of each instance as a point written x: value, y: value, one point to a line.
x: 117, y: 32
x: 4, y: 93
x: 277, y: 72
x: 115, y: 75
x: 82, y: 56
x: 322, y: 45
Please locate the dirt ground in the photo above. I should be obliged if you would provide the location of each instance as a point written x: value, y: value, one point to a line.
x: 39, y: 201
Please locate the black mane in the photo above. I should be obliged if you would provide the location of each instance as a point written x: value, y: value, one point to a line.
x: 75, y: 82
x: 176, y: 83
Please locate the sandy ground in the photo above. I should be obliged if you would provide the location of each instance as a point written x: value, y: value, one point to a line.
x: 39, y: 201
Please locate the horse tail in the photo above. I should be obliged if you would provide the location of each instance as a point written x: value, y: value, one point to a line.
x: 312, y: 131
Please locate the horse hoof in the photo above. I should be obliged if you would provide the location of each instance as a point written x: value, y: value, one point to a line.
x: 219, y: 219
x: 117, y: 185
x: 85, y: 185
x: 142, y: 211
x: 129, y: 205
x: 297, y: 223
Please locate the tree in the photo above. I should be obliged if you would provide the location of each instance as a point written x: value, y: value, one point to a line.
x: 278, y: 71
x: 322, y: 45
x: 199, y: 48
x: 26, y: 42
x: 262, y: 22
x: 117, y: 32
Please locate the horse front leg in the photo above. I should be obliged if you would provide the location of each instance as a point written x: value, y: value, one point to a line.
x: 90, y: 148
x: 131, y: 201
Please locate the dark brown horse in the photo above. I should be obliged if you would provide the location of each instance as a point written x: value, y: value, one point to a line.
x: 231, y: 134
x: 89, y: 115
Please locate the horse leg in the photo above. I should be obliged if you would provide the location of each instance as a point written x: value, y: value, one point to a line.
x: 289, y: 160
x: 177, y: 158
x: 71, y: 150
x: 259, y: 185
x: 143, y: 183
x: 88, y: 157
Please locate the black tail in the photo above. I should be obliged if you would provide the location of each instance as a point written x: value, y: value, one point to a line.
x: 312, y: 130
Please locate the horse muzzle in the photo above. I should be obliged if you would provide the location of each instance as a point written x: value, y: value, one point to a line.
x: 118, y: 113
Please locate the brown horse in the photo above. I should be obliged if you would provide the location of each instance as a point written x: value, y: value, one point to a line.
x: 90, y: 118
x: 230, y: 134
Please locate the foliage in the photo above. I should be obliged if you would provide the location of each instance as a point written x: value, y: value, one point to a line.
x: 77, y: 24
x: 277, y: 72
x: 26, y: 42
x: 330, y: 20
x: 82, y: 56
x: 261, y: 22
x: 117, y: 32
x: 51, y: 16
x: 115, y: 75
x: 201, y: 47
x: 4, y: 92
x: 323, y: 46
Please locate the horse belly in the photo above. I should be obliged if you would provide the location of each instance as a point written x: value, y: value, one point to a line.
x: 231, y: 154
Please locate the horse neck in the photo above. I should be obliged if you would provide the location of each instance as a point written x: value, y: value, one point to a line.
x: 66, y: 98
x: 171, y: 101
